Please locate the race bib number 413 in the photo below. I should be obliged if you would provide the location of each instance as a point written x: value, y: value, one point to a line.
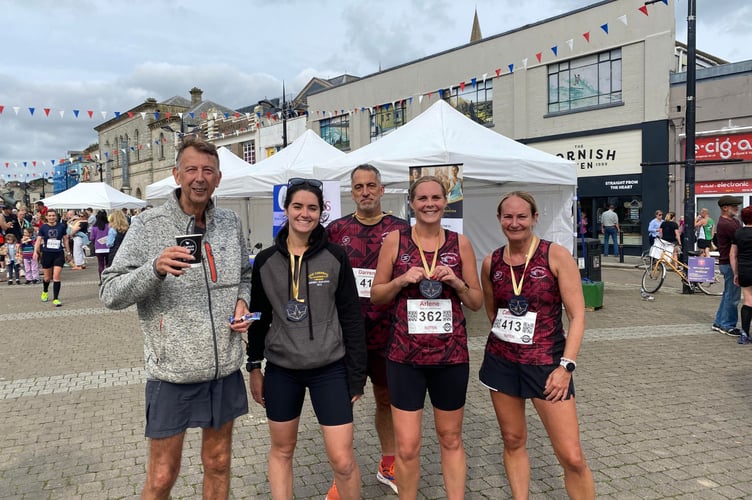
x: 515, y: 329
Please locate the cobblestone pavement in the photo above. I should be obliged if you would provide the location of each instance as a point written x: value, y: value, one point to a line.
x: 664, y: 407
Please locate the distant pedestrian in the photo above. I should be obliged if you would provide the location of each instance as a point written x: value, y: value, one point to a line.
x: 610, y: 229
x: 654, y: 228
x: 728, y: 314
x: 30, y: 263
x: 50, y: 250
x: 740, y: 258
x: 705, y: 227
x: 670, y: 232
x: 98, y: 232
x: 118, y: 227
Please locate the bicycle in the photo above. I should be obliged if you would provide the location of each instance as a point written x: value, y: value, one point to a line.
x: 662, y: 255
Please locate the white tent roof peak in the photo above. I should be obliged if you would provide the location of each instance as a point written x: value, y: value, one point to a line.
x: 97, y: 195
x: 442, y: 135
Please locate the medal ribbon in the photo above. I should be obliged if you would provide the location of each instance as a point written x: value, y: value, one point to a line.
x: 296, y: 282
x: 428, y: 270
x: 515, y: 287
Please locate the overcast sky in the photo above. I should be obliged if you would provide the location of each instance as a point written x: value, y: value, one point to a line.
x: 111, y: 56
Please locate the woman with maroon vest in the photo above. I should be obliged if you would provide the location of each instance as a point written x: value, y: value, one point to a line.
x: 427, y: 272
x: 525, y: 285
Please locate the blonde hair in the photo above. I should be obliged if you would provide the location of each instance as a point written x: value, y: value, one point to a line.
x: 118, y: 221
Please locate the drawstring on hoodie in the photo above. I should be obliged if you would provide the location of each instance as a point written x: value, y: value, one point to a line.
x: 308, y: 294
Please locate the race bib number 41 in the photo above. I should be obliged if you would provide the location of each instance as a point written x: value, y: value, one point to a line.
x: 364, y: 280
x: 426, y: 316
x: 515, y: 329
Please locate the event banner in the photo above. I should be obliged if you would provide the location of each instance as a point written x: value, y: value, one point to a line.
x: 332, y: 205
x: 451, y: 177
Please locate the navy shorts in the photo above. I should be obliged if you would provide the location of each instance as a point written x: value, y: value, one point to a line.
x: 446, y: 385
x: 515, y: 379
x: 376, y: 368
x: 52, y: 259
x: 173, y: 408
x: 703, y: 243
x: 284, y: 392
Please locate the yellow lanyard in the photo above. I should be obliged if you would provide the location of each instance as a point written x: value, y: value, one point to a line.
x: 515, y: 287
x: 429, y: 271
x: 295, y: 282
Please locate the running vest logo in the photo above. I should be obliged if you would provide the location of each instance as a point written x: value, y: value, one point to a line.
x: 449, y: 259
x: 538, y: 272
x: 345, y: 240
x: 405, y: 258
x: 498, y: 276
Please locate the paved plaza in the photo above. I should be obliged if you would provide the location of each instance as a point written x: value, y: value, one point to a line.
x: 665, y: 407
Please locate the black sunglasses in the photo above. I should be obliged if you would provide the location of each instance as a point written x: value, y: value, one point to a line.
x: 298, y: 181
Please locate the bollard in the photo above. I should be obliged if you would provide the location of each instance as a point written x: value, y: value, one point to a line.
x: 621, y: 247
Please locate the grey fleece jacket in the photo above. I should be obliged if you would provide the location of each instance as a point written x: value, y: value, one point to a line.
x: 187, y: 337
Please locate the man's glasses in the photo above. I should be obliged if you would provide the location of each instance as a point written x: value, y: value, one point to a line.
x: 298, y: 181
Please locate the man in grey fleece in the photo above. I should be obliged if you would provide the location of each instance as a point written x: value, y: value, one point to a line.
x: 193, y: 354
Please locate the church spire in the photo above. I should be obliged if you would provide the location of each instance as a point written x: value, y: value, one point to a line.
x: 475, y: 34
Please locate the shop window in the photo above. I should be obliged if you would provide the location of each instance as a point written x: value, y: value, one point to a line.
x: 336, y: 131
x: 474, y: 101
x: 387, y: 118
x: 586, y: 82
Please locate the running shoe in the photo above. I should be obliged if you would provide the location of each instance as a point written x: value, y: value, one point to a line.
x: 385, y: 475
x: 45, y: 296
x: 57, y: 302
x: 743, y: 339
x: 333, y: 493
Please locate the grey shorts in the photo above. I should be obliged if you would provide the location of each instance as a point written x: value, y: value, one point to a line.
x: 173, y: 408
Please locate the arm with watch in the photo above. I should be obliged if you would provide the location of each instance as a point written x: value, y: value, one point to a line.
x: 257, y: 334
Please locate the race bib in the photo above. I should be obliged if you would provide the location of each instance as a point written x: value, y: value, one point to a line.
x: 364, y: 280
x: 53, y: 244
x: 433, y: 317
x: 515, y: 329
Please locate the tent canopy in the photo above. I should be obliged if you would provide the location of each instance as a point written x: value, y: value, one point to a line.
x: 229, y: 163
x: 441, y: 135
x: 97, y: 195
x: 491, y: 166
x: 296, y: 160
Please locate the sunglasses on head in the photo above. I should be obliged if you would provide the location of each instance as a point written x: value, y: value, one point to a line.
x: 298, y: 181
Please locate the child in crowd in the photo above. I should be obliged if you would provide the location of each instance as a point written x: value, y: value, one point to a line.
x: 30, y: 263
x: 12, y: 258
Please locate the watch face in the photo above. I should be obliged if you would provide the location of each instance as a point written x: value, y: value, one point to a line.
x: 570, y: 367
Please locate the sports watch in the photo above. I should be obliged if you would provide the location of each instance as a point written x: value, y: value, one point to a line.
x: 568, y: 364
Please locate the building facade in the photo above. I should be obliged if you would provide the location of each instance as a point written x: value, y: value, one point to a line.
x: 591, y: 85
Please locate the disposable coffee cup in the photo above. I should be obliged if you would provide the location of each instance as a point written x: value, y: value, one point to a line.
x: 193, y: 243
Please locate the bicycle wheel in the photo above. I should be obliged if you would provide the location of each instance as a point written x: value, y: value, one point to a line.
x: 714, y: 287
x: 653, y: 277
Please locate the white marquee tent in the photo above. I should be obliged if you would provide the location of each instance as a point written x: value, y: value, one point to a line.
x: 492, y: 165
x: 97, y: 195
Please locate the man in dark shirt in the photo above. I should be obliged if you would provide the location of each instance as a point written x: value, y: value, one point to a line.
x: 728, y: 310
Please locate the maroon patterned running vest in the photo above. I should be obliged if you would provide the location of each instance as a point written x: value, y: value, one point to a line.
x: 362, y: 244
x: 421, y: 349
x: 541, y: 288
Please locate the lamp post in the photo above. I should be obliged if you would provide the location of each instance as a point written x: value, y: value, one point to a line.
x: 100, y: 169
x: 183, y: 127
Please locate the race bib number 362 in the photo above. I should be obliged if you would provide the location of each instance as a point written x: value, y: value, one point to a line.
x: 426, y: 316
x: 515, y: 329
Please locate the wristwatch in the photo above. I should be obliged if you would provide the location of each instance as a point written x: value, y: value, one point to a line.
x: 568, y: 364
x: 252, y: 365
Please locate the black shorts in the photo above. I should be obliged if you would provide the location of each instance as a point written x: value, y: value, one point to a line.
x: 446, y: 385
x: 376, y: 368
x: 745, y: 275
x: 703, y: 243
x: 52, y: 259
x: 515, y: 379
x: 284, y: 392
x: 172, y: 408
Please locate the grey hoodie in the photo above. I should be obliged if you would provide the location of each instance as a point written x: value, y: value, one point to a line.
x: 187, y: 337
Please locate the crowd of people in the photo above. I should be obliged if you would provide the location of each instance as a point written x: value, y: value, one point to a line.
x: 326, y: 308
x: 36, y: 245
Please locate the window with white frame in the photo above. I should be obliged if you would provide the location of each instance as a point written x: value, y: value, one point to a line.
x: 249, y: 152
x: 336, y: 131
x: 586, y: 82
x: 387, y: 118
x: 473, y: 101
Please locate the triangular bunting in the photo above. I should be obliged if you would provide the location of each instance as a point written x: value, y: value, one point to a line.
x: 31, y: 110
x: 75, y: 112
x: 524, y: 63
x: 604, y: 27
x: 570, y: 42
x: 586, y: 35
x: 623, y: 19
x: 47, y: 111
x: 90, y: 113
x: 643, y: 9
x: 498, y: 71
x: 511, y: 68
x: 538, y: 56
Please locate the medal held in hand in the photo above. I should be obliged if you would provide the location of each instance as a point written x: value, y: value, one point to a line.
x: 296, y: 309
x: 518, y: 304
x: 429, y: 289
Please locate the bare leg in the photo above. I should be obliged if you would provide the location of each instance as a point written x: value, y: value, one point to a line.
x: 383, y: 420
x: 163, y: 467
x: 510, y: 413
x: 216, y: 455
x: 560, y: 421
x: 338, y: 440
x: 453, y: 460
x: 407, y: 435
x: 284, y: 437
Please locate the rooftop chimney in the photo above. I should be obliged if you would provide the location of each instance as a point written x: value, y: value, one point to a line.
x: 196, y: 94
